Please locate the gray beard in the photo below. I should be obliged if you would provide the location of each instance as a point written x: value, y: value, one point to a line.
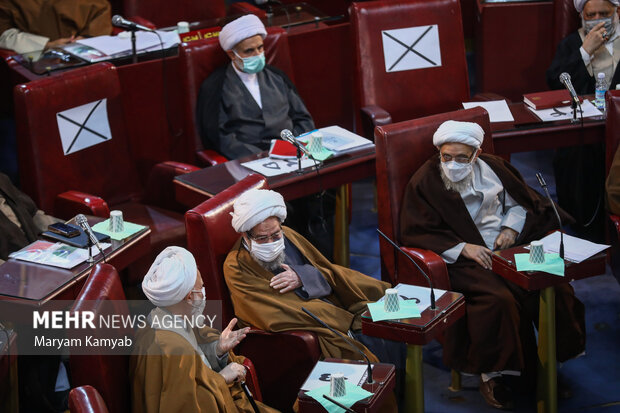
x: 271, y: 266
x: 459, y: 186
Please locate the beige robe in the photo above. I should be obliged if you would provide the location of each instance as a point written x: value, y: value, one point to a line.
x: 168, y: 375
x: 259, y: 305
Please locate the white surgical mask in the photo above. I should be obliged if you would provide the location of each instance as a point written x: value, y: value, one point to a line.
x: 269, y: 251
x: 456, y: 171
x: 198, y: 306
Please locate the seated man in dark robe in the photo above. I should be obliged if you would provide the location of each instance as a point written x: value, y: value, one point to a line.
x: 33, y: 25
x: 580, y: 170
x: 245, y: 104
x: 461, y: 205
x: 184, y: 368
x: 272, y: 272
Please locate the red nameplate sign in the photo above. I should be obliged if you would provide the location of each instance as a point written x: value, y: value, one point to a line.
x: 194, y: 35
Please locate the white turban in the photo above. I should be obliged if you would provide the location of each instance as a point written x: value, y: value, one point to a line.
x: 240, y: 29
x: 171, y: 277
x: 255, y: 206
x: 580, y: 4
x: 451, y: 131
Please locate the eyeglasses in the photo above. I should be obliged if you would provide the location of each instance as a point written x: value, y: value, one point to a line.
x: 458, y: 158
x: 201, y: 292
x: 263, y: 239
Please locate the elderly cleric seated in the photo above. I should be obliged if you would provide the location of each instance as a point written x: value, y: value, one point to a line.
x: 272, y: 272
x: 246, y: 103
x: 462, y: 204
x: 184, y: 366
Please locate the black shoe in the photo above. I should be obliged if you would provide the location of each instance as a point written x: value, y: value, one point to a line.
x: 497, y: 394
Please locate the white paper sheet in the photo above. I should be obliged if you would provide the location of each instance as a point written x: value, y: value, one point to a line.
x: 565, y: 112
x: 411, y: 48
x: 112, y: 45
x: 84, y: 126
x: 421, y: 295
x: 575, y: 249
x: 322, y: 371
x: 274, y: 167
x: 339, y: 140
x: 498, y: 110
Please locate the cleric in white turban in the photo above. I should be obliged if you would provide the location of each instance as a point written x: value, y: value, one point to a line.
x: 579, y: 4
x: 462, y: 205
x: 171, y: 277
x: 240, y: 29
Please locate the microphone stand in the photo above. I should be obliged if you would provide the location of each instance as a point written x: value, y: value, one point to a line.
x: 574, y: 107
x: 299, y: 156
x: 134, y: 53
x: 90, y: 246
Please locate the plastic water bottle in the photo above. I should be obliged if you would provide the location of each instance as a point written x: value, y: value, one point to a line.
x: 599, y: 94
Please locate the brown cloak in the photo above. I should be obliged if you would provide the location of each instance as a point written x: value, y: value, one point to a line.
x: 56, y: 18
x: 168, y: 375
x: 497, y: 332
x: 259, y: 305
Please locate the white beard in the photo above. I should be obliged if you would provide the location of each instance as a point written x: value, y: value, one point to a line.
x: 459, y: 186
x: 272, y: 265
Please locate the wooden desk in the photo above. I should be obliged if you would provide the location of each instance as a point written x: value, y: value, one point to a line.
x: 416, y: 332
x: 503, y: 264
x: 384, y: 376
x: 31, y: 284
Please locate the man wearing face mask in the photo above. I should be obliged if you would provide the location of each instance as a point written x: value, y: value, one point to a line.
x: 245, y: 104
x: 462, y: 205
x: 592, y: 49
x: 184, y: 368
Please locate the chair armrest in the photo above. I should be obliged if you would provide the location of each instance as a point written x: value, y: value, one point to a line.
x: 210, y: 157
x: 251, y: 379
x: 70, y: 203
x: 615, y: 220
x: 85, y: 399
x: 160, y: 186
x: 372, y: 116
x: 243, y: 7
x: 430, y: 262
x: 485, y: 97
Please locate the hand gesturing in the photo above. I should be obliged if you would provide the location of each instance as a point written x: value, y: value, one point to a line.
x: 229, y: 338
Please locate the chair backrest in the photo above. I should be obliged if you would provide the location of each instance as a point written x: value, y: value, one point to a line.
x: 402, y: 148
x: 612, y: 127
x: 103, y: 294
x: 198, y: 59
x: 441, y: 85
x: 210, y: 237
x: 86, y: 399
x: 565, y: 20
x: 167, y: 13
x: 105, y: 169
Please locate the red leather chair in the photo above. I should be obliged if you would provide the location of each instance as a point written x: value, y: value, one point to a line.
x: 210, y: 237
x: 397, y: 96
x: 612, y: 139
x: 108, y: 374
x: 402, y: 148
x: 101, y: 177
x: 565, y: 20
x: 86, y: 399
x: 165, y: 13
x: 199, y: 59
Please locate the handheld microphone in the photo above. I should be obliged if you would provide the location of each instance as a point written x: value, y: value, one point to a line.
x: 120, y: 21
x: 81, y: 220
x: 349, y: 342
x: 428, y: 279
x: 288, y: 136
x: 566, y: 81
x: 543, y: 184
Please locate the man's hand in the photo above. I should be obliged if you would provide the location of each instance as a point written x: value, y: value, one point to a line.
x: 505, y: 239
x: 233, y: 372
x: 229, y: 338
x: 482, y: 255
x: 286, y: 281
x: 63, y: 41
x: 595, y: 38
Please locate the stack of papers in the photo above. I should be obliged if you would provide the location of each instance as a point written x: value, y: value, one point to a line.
x: 575, y: 249
x: 566, y: 112
x: 55, y: 254
x: 339, y: 140
x: 115, y: 45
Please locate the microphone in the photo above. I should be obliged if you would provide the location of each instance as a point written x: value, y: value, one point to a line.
x: 428, y: 279
x: 566, y: 81
x: 81, y: 220
x: 349, y: 342
x: 543, y: 184
x: 288, y: 136
x: 120, y: 21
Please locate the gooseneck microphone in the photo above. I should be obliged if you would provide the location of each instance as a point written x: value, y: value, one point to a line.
x: 543, y: 184
x: 349, y: 342
x: 81, y: 220
x: 288, y: 136
x: 566, y: 81
x: 120, y: 21
x: 428, y: 279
